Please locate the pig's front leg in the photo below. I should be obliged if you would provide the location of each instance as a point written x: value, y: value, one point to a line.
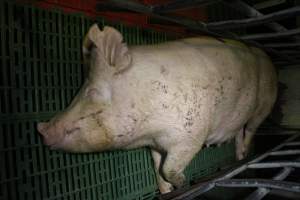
x: 178, y: 157
x: 164, y: 186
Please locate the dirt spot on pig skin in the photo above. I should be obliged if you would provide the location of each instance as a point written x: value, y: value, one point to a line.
x: 120, y: 136
x: 163, y: 70
x: 132, y: 105
x: 159, y: 86
x: 93, y: 115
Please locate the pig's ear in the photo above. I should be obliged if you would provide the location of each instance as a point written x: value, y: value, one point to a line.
x: 114, y: 50
x: 110, y: 47
x: 89, y: 42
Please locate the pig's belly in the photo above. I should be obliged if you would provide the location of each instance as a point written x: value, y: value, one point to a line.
x: 231, y: 121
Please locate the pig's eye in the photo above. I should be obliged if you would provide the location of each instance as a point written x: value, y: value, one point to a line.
x: 71, y: 131
x: 93, y: 93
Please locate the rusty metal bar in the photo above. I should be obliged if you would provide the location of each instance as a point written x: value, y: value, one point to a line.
x: 254, y: 21
x: 272, y: 184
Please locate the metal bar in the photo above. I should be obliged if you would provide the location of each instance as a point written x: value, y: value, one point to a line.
x: 272, y: 184
x: 285, y: 194
x: 198, y: 190
x: 181, y: 4
x: 273, y: 165
x: 194, y: 25
x: 261, y: 192
x: 271, y: 35
x: 191, y: 194
x: 263, y: 156
x: 251, y: 12
x: 293, y: 144
x: 282, y: 45
x: 285, y: 152
x: 291, y: 52
x: 268, y: 3
x: 254, y: 21
x: 278, y: 133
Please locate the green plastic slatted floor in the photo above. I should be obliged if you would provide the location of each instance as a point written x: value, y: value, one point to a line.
x: 40, y: 72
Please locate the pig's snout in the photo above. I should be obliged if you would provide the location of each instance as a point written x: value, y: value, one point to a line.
x: 50, y: 133
x: 42, y: 127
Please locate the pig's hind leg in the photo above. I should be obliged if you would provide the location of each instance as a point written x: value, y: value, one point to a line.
x: 253, y: 123
x: 164, y: 186
x: 239, y: 144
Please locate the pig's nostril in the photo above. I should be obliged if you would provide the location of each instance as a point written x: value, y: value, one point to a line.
x: 42, y: 127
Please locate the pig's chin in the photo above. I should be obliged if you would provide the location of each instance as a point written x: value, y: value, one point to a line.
x: 53, y: 145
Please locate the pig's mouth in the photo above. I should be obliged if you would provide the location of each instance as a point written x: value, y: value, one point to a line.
x: 58, y: 141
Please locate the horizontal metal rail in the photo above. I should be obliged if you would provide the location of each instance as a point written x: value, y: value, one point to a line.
x: 252, y: 12
x: 254, y: 21
x: 273, y: 165
x: 141, y: 8
x: 282, y: 45
x: 204, y: 187
x: 261, y: 36
x: 272, y: 184
x: 285, y: 153
x: 261, y: 192
x: 292, y: 144
x: 181, y: 4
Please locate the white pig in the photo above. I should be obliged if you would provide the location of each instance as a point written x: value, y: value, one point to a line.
x: 173, y: 97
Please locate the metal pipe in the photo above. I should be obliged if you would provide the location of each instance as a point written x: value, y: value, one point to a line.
x: 292, y: 144
x: 203, y: 187
x: 191, y: 194
x: 271, y: 35
x: 194, y: 25
x: 261, y: 192
x: 254, y: 21
x: 272, y: 184
x: 285, y: 194
x: 273, y: 165
x: 282, y: 45
x: 263, y: 156
x: 285, y: 152
x: 252, y: 12
x: 180, y: 4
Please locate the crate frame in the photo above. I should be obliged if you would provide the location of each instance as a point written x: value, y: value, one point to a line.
x: 41, y: 71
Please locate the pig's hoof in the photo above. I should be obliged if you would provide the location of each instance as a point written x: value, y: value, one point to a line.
x: 177, y: 179
x: 165, y: 187
x: 241, y: 153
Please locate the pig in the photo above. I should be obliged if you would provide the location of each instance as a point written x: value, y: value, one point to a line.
x: 174, y: 97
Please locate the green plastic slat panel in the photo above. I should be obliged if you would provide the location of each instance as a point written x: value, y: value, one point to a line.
x: 40, y: 72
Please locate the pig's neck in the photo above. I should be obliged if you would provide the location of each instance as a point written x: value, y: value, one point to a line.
x: 125, y: 117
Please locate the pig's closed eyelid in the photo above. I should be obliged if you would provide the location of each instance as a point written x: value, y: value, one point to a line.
x: 69, y: 132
